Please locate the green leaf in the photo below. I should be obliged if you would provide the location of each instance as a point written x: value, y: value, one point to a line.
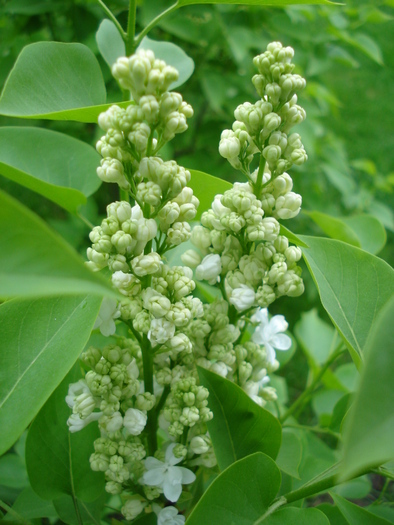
x: 241, y: 494
x: 316, y: 337
x: 51, y: 78
x: 340, y: 410
x: 110, y: 42
x: 369, y: 427
x: 353, y: 286
x: 29, y: 505
x: 88, y: 512
x: 205, y: 187
x: 59, y: 167
x: 13, y: 471
x: 363, y: 231
x: 239, y: 426
x: 292, y: 237
x: 35, y: 261
x: 253, y: 2
x: 369, y: 230
x: 173, y: 56
x: 293, y: 516
x: 290, y: 453
x: 356, y: 515
x: 39, y: 342
x: 58, y: 460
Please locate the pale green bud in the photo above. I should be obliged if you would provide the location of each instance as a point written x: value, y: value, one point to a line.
x: 121, y: 211
x: 157, y: 304
x: 110, y: 226
x: 169, y: 102
x: 98, y: 384
x: 111, y: 423
x: 293, y: 254
x: 122, y: 241
x: 229, y: 334
x: 91, y: 357
x: 272, y: 154
x: 168, y: 215
x: 178, y: 233
x: 133, y: 507
x: 201, y: 237
x: 251, y: 115
x: 105, y: 446
x: 164, y: 376
x: 200, y: 444
x: 179, y: 315
x: 146, y: 264
x: 127, y: 283
x: 252, y: 268
x: 174, y: 123
x: 103, y: 366
x: 189, y: 416
x: 110, y: 118
x: 141, y: 322
x: 209, y: 269
x: 218, y: 239
x: 290, y: 284
x: 281, y: 244
x: 150, y: 108
x: 188, y: 211
x: 186, y: 109
x: 153, y: 493
x: 99, y: 260
x: 99, y: 462
x: 298, y: 156
x: 229, y: 145
x: 235, y: 278
x: 139, y: 136
x: 130, y: 309
x: 288, y: 206
x: 149, y: 192
x: 145, y: 402
x: 274, y: 93
x: 191, y: 258
x: 111, y: 170
x: 233, y: 222
x: 245, y: 371
x: 112, y: 487
x: 278, y: 139
x: 268, y: 393
x: 291, y: 84
x: 276, y: 272
x: 282, y: 185
x: 183, y: 287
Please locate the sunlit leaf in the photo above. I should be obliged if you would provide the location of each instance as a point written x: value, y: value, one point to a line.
x: 35, y: 261
x: 109, y: 42
x: 40, y: 340
x: 61, y: 168
x: 353, y: 286
x: 369, y: 427
x: 241, y: 494
x: 239, y: 426
x: 50, y: 78
x: 205, y: 187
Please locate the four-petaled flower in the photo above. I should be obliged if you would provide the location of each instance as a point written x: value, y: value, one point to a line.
x: 166, y: 475
x: 170, y: 516
x: 267, y: 333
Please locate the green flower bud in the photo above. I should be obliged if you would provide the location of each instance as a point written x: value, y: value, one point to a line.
x: 273, y: 92
x: 126, y: 283
x: 139, y: 136
x: 281, y: 244
x: 100, y: 260
x: 91, y: 356
x: 164, y: 376
x: 229, y: 145
x: 110, y: 118
x: 103, y: 366
x: 99, y: 385
x: 200, y: 444
x: 120, y: 211
x: 110, y: 226
x: 150, y: 108
x: 133, y: 507
x: 141, y: 322
x: 111, y: 170
x: 99, y: 462
x: 272, y: 154
x: 290, y: 284
x: 145, y: 402
x: 112, y: 487
x: 174, y: 123
x: 122, y: 241
x: 169, y: 102
x: 288, y: 206
x: 130, y: 309
x: 146, y: 264
x: 118, y: 263
x: 245, y: 371
x: 179, y: 315
x: 293, y: 254
x: 179, y: 232
x: 105, y: 446
x: 156, y: 303
x: 278, y: 139
x: 149, y: 192
x: 191, y: 258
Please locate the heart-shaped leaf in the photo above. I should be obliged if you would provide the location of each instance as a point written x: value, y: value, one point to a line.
x: 239, y: 426
x: 61, y: 168
x: 39, y: 342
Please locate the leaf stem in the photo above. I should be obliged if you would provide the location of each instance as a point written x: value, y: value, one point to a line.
x: 153, y: 23
x: 281, y: 501
x: 112, y: 17
x: 304, y: 397
x: 130, y: 37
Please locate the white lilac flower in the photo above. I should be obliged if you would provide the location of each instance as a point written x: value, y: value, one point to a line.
x: 109, y: 311
x: 242, y: 297
x: 160, y: 331
x: 75, y: 423
x: 268, y: 333
x: 134, y: 421
x: 170, y: 516
x: 209, y: 269
x: 166, y: 475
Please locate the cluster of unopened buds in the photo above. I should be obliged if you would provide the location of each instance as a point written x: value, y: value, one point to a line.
x: 146, y: 384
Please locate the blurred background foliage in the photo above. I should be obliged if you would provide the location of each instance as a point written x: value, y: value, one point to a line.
x: 346, y: 53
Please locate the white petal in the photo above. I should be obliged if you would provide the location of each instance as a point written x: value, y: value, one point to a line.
x: 155, y: 477
x: 270, y: 353
x: 278, y: 324
x: 151, y: 463
x: 108, y: 327
x: 281, y: 342
x: 187, y: 475
x: 172, y: 485
x: 170, y: 458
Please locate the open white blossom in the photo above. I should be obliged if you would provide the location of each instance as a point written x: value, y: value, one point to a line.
x: 75, y: 423
x: 166, y: 475
x: 242, y: 297
x: 170, y: 516
x: 267, y: 333
x: 109, y: 311
x: 209, y: 269
x: 134, y: 421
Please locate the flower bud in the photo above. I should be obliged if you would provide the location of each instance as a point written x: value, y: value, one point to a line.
x: 134, y: 421
x: 146, y: 264
x: 242, y: 298
x: 288, y: 206
x: 209, y: 269
x: 160, y: 331
x: 200, y: 444
x: 191, y: 258
x: 133, y: 507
